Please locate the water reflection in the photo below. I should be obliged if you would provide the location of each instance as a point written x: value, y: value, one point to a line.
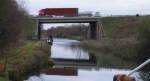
x: 65, y: 71
x: 83, y: 75
x: 68, y: 49
x: 90, y: 66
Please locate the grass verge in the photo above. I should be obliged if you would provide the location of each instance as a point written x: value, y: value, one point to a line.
x: 121, y: 48
x: 2, y: 79
x: 27, y: 60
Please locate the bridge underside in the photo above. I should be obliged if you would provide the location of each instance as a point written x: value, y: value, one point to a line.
x: 95, y: 31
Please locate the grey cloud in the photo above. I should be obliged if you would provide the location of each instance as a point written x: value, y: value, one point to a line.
x: 106, y: 7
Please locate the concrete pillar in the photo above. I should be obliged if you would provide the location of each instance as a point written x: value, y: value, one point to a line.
x: 96, y: 30
x: 88, y: 33
x: 39, y: 30
x: 92, y: 30
x: 99, y: 30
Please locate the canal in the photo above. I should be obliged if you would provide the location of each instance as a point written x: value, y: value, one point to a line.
x: 90, y: 66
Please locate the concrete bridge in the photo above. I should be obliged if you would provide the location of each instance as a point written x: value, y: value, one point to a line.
x: 95, y: 31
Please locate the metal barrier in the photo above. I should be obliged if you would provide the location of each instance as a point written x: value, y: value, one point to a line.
x: 139, y: 67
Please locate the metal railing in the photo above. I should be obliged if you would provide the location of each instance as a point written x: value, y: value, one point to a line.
x: 139, y: 67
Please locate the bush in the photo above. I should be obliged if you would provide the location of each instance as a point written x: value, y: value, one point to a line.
x: 14, y: 22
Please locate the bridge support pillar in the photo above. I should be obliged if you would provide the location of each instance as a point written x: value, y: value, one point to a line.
x: 96, y: 30
x: 99, y: 30
x: 39, y: 30
x: 92, y: 31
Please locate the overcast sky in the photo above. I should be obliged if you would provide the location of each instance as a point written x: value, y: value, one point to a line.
x: 106, y: 7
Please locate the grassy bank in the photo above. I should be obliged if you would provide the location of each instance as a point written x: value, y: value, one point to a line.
x: 2, y: 79
x: 125, y: 27
x: 126, y: 38
x: 122, y: 49
x: 26, y: 60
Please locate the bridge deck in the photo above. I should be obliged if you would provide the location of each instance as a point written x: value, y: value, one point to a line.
x: 48, y: 19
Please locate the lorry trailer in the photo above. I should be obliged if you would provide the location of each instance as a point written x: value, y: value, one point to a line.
x: 58, y: 12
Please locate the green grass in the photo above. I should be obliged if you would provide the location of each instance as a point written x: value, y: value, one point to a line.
x: 122, y: 36
x: 2, y: 79
x: 111, y: 52
x: 24, y: 57
x: 120, y: 48
x: 124, y: 26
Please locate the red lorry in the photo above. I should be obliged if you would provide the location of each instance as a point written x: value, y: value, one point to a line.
x: 59, y: 12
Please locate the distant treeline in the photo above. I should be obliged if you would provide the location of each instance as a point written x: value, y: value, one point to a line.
x: 70, y: 31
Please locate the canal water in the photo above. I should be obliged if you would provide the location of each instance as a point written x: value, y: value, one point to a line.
x: 69, y: 53
x: 68, y: 49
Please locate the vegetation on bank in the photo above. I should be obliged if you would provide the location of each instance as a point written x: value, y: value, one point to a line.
x: 15, y: 24
x: 124, y: 27
x: 19, y: 57
x: 126, y: 37
x: 114, y: 47
x: 2, y: 79
x: 26, y: 60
